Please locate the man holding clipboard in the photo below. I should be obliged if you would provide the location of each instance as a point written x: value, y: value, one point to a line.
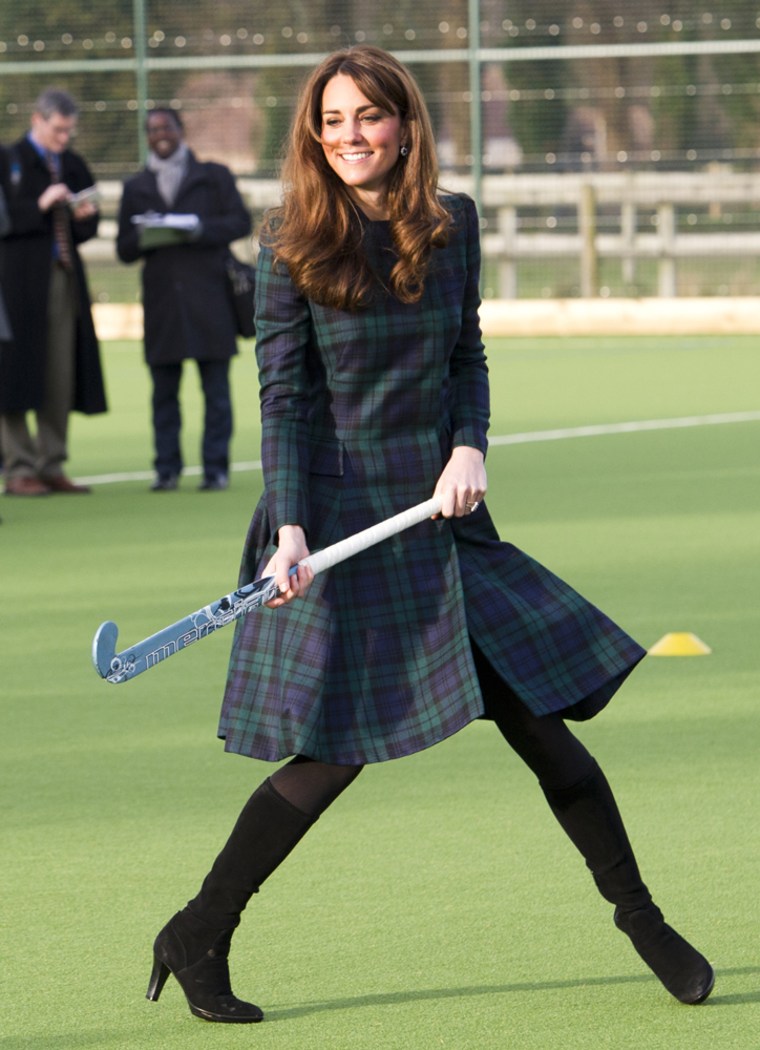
x: 179, y: 216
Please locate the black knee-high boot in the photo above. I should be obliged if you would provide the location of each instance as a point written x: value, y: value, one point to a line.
x: 194, y: 945
x: 589, y: 816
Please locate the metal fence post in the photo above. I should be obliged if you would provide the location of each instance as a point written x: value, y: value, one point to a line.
x: 476, y: 121
x: 507, y: 226
x: 587, y: 231
x: 141, y: 74
x: 666, y: 230
x: 628, y: 236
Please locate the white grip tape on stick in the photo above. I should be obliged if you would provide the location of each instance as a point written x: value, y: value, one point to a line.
x: 337, y: 552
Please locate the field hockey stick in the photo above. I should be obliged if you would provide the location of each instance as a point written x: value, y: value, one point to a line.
x: 118, y: 667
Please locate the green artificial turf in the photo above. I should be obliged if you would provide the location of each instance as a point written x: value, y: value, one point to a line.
x: 436, y: 904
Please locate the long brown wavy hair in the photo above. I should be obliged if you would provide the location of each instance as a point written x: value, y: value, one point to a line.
x: 317, y: 232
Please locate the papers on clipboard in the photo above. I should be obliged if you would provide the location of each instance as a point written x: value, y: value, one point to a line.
x: 91, y: 195
x: 159, y: 230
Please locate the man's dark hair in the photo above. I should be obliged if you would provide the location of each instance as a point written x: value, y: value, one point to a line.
x: 165, y: 111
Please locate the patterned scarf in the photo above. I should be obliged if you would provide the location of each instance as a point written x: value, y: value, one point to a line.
x: 169, y: 172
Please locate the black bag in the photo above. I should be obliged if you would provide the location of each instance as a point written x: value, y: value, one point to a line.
x: 242, y: 282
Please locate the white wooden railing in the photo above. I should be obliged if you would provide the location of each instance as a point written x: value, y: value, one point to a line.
x: 640, y: 209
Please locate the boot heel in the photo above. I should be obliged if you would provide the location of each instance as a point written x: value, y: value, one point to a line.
x: 158, y: 977
x: 683, y: 970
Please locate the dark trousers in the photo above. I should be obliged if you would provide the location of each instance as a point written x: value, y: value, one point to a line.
x: 167, y: 418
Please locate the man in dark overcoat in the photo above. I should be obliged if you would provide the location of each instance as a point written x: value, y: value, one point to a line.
x: 5, y: 225
x: 5, y: 328
x: 179, y: 216
x: 52, y: 365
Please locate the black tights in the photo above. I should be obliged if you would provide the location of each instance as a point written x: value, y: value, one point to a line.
x: 312, y: 786
x: 545, y: 744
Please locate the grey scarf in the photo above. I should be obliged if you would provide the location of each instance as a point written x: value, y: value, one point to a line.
x: 170, y: 172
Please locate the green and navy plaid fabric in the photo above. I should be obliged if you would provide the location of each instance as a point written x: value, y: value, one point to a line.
x: 360, y: 412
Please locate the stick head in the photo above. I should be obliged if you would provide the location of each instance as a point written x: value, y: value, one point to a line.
x: 104, y: 649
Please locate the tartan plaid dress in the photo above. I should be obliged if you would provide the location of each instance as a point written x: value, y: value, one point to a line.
x: 359, y: 413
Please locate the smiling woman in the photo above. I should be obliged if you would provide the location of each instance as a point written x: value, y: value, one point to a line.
x: 374, y: 395
x: 362, y: 143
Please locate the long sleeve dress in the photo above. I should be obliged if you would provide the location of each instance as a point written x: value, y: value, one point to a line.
x: 360, y: 411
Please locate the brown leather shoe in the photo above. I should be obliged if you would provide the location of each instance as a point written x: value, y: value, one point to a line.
x: 60, y: 483
x: 26, y: 486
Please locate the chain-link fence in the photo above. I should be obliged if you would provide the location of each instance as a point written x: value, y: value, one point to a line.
x: 519, y: 90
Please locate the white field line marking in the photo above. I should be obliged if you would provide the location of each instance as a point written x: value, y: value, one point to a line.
x: 638, y: 426
x: 634, y: 427
x: 149, y: 475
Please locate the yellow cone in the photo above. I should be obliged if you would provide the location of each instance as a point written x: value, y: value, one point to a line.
x: 680, y: 643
